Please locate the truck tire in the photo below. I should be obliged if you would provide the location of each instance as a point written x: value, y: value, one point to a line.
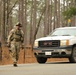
x: 72, y: 59
x: 41, y: 59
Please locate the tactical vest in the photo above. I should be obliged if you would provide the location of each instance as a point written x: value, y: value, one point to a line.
x: 16, y: 35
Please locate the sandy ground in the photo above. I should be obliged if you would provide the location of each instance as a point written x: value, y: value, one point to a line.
x: 24, y: 57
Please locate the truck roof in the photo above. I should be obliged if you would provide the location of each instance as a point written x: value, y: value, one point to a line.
x: 67, y: 28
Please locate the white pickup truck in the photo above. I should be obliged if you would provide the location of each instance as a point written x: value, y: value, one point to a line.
x: 61, y: 43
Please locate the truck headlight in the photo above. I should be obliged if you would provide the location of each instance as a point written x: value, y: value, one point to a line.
x: 36, y: 44
x: 64, y: 42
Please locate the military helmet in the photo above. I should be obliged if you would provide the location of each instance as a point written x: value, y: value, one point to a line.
x: 18, y: 24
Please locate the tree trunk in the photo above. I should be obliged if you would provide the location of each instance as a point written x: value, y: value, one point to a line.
x: 34, y: 19
x: 31, y: 23
x: 25, y: 25
x: 58, y: 14
x: 0, y: 18
x: 55, y: 14
x: 63, y: 22
x: 46, y: 24
x: 50, y: 16
x: 3, y: 24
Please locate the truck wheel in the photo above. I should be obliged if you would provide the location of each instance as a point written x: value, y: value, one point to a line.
x: 41, y: 59
x: 72, y: 59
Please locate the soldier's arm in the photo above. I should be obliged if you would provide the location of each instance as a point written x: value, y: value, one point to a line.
x: 22, y: 38
x: 9, y: 36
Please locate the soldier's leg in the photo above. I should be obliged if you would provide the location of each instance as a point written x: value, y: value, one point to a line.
x: 13, y: 53
x: 17, y: 52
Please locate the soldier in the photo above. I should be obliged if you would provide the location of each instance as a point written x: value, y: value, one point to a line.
x: 15, y: 41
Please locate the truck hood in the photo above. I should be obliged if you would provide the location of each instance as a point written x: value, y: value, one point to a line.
x: 55, y: 38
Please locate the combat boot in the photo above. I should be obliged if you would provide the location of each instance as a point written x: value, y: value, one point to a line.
x: 15, y: 64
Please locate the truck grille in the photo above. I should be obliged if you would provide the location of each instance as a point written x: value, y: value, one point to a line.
x: 49, y: 43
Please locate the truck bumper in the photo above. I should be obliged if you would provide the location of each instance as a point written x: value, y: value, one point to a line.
x: 57, y: 52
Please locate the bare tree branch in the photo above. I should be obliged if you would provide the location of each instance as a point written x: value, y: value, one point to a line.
x: 12, y: 7
x: 43, y: 10
x: 39, y: 23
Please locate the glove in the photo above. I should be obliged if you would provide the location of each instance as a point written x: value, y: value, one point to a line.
x: 22, y: 46
x: 10, y: 51
x: 8, y: 45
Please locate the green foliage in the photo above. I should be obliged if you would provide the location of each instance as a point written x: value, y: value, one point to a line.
x: 70, y: 12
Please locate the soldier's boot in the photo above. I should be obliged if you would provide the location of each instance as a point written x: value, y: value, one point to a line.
x: 15, y: 64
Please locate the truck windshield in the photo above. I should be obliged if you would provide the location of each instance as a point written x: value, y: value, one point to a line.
x: 64, y: 32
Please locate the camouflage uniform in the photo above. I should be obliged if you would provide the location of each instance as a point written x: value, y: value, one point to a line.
x: 15, y: 38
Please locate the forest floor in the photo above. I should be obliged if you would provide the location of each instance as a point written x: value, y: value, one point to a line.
x: 24, y: 57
